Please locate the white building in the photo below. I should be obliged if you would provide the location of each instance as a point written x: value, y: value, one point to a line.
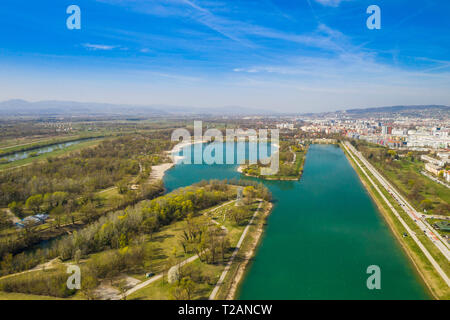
x: 447, y: 175
x: 434, y: 169
x: 434, y: 161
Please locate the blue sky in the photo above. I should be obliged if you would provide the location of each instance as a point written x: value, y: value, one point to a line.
x: 302, y: 55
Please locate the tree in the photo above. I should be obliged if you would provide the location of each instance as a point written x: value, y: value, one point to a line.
x: 16, y: 208
x: 250, y: 192
x: 173, y: 275
x: 88, y: 212
x: 426, y: 204
x: 123, y: 288
x: 6, y: 263
x: 188, y: 286
x: 150, y: 225
x: 122, y: 187
x: 57, y: 212
x: 5, y: 222
x: 237, y: 214
x: 77, y: 256
x: 183, y: 289
x: 48, y: 202
x: 88, y: 284
x: 34, y: 203
x: 59, y: 198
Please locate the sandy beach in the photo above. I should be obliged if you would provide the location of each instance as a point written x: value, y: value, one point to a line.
x: 176, y: 150
x: 159, y: 171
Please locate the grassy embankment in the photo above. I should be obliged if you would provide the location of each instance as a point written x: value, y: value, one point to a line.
x: 230, y: 287
x: 437, y: 287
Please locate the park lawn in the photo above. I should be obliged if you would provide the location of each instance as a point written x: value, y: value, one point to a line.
x: 163, y: 244
x: 222, y: 216
x: 161, y: 289
x: 108, y: 197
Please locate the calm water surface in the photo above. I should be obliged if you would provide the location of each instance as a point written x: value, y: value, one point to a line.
x: 322, y: 235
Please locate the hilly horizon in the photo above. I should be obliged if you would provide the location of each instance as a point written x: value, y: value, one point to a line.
x: 20, y: 107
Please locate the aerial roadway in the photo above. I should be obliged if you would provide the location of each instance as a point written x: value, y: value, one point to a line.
x: 409, y: 210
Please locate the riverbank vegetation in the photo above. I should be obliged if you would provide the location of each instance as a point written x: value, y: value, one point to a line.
x: 292, y: 157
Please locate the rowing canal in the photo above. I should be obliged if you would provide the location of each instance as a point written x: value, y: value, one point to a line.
x: 323, y: 234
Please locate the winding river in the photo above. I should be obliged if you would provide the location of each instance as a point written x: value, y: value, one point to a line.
x: 323, y: 233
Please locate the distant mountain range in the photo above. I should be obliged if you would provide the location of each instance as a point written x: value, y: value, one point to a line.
x: 70, y: 108
x: 425, y: 111
x: 400, y: 109
x: 22, y: 108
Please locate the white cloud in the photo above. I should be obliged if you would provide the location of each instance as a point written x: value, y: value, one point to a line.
x: 330, y: 3
x: 98, y: 46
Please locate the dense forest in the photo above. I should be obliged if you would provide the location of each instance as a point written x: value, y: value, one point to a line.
x: 79, y: 173
x: 67, y: 187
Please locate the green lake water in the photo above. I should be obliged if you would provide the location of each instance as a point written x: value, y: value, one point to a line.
x: 323, y: 233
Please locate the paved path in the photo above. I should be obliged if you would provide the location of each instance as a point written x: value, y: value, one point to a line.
x: 235, y: 252
x: 444, y: 276
x: 157, y: 277
x: 212, y: 210
x: 295, y: 155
